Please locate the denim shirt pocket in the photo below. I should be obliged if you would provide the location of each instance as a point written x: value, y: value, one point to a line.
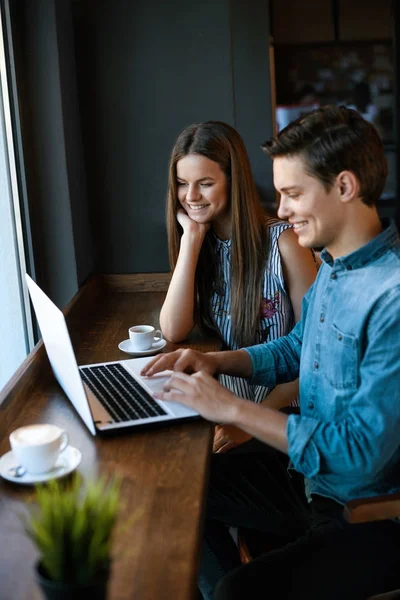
x: 341, y: 368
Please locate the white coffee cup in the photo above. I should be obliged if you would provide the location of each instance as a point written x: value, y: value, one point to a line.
x: 37, y: 447
x: 143, y: 337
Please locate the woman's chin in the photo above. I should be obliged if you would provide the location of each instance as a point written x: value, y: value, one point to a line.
x: 199, y: 218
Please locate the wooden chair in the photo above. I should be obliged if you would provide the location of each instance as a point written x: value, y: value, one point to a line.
x: 376, y: 508
x: 363, y: 510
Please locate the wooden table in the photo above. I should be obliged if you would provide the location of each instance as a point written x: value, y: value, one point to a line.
x: 164, y: 471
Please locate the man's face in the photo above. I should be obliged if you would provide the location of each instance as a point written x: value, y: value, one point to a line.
x: 316, y: 215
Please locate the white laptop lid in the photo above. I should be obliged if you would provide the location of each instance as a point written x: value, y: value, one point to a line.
x: 60, y: 352
x: 62, y: 359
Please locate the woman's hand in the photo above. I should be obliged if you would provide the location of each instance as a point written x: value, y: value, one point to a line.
x: 191, y: 227
x: 227, y: 437
x: 176, y: 316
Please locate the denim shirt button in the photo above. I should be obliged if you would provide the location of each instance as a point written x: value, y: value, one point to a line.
x: 340, y: 337
x: 316, y: 365
x: 322, y: 318
x: 333, y: 276
x: 310, y: 405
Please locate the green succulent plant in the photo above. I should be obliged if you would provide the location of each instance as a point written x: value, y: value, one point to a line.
x: 72, y: 528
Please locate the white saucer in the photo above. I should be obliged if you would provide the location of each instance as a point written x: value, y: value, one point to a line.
x: 125, y: 346
x: 66, y: 463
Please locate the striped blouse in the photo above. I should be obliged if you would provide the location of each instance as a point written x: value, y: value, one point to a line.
x: 276, y: 312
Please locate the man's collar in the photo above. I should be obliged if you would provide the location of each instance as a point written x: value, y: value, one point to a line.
x: 369, y: 252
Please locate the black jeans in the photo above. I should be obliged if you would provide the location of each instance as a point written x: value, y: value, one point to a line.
x: 319, y: 556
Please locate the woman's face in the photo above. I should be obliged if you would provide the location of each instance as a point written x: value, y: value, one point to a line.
x: 203, y: 189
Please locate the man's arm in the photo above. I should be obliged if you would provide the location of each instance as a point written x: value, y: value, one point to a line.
x: 232, y: 362
x: 266, y: 364
x: 271, y: 363
x: 216, y: 403
x: 277, y: 361
x: 361, y: 442
x: 227, y: 437
x: 265, y: 424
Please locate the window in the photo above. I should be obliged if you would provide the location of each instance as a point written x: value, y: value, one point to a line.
x: 15, y: 323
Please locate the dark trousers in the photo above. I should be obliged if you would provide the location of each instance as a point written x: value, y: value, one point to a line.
x: 317, y: 554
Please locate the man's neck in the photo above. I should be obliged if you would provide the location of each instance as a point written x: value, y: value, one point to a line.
x: 363, y: 225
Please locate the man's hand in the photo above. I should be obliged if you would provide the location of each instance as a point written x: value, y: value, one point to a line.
x: 204, y: 394
x: 185, y: 360
x: 227, y: 437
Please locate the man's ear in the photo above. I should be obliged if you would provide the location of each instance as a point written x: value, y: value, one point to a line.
x: 348, y: 185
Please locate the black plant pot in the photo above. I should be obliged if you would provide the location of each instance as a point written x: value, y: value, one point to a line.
x: 57, y: 590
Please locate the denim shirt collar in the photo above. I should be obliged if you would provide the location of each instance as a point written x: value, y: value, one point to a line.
x: 368, y: 253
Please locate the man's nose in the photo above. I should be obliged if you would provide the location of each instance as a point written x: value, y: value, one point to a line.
x: 283, y: 208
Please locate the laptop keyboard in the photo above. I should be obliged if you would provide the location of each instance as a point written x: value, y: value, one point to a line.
x: 119, y: 393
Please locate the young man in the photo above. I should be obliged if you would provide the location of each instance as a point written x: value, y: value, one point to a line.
x: 330, y: 170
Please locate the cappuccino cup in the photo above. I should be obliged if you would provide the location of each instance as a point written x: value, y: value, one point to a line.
x: 37, y: 447
x: 143, y: 337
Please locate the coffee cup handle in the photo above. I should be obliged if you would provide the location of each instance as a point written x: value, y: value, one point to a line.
x: 158, y: 336
x: 64, y: 441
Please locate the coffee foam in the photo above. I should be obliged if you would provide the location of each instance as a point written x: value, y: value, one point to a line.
x: 35, y: 435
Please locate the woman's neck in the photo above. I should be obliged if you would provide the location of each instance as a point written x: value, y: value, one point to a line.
x: 222, y: 229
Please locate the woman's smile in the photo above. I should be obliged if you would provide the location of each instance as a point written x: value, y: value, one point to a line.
x: 196, y: 207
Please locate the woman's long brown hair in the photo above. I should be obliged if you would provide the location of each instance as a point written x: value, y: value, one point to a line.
x: 222, y: 144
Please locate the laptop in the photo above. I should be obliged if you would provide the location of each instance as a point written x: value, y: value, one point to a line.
x: 110, y: 396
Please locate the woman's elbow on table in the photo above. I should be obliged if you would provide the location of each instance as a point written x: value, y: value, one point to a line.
x: 175, y: 335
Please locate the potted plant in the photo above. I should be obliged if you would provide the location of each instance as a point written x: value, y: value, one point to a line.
x: 72, y: 528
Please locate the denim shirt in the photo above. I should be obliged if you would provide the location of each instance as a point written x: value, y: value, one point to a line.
x: 346, y: 350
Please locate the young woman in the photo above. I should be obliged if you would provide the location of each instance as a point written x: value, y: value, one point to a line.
x: 235, y: 270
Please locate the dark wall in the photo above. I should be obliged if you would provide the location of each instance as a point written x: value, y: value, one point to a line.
x: 104, y: 88
x: 56, y: 206
x: 253, y: 101
x: 75, y: 164
x: 146, y: 70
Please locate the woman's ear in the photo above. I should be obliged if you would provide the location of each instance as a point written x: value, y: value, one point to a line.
x: 348, y: 185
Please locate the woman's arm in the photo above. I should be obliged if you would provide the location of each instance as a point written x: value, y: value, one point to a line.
x: 282, y: 395
x: 299, y: 269
x: 176, y: 316
x: 299, y: 272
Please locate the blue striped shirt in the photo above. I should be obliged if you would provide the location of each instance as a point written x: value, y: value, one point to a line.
x: 276, y: 312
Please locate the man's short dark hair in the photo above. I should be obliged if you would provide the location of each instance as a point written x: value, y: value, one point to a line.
x: 332, y: 139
